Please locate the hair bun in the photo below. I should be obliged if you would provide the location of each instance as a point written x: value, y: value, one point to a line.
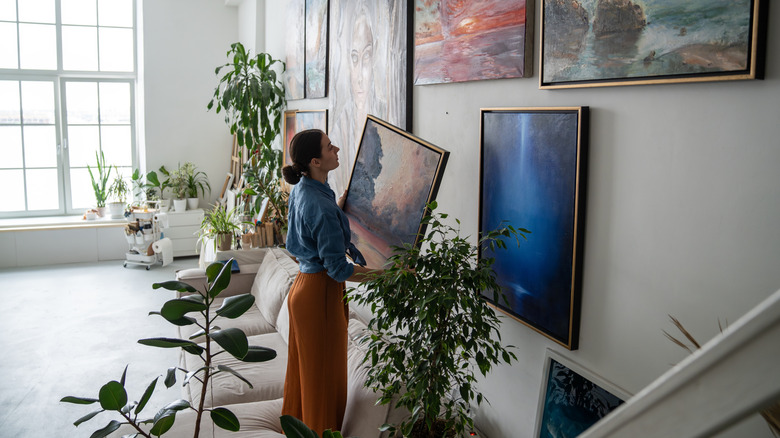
x: 291, y: 174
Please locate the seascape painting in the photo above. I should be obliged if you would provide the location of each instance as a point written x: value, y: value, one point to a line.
x: 294, y: 51
x: 572, y: 402
x: 456, y: 41
x: 368, y: 73
x: 396, y: 175
x: 316, y: 48
x: 619, y: 42
x: 531, y: 176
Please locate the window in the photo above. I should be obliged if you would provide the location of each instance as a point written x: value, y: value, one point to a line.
x: 67, y: 92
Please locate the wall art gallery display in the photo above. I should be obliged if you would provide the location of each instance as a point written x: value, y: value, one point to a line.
x: 456, y: 41
x: 294, y: 51
x: 316, y: 48
x: 396, y: 175
x: 572, y: 399
x: 296, y: 121
x: 587, y: 43
x: 369, y: 73
x: 532, y: 175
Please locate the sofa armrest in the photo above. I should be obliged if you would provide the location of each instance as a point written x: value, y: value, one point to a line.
x: 240, y: 282
x: 243, y: 256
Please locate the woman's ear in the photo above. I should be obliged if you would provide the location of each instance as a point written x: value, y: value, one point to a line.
x: 315, y: 162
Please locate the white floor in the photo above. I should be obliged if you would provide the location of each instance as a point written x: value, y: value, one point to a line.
x: 69, y: 329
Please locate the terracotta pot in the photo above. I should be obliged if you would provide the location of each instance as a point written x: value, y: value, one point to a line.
x: 224, y: 242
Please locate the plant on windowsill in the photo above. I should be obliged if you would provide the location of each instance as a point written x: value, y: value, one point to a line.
x: 113, y: 396
x: 432, y: 329
x: 197, y: 181
x: 219, y: 225
x: 253, y: 99
x: 100, y: 184
x: 118, y: 191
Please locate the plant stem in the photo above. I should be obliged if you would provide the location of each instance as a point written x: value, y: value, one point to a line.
x: 136, y: 426
x: 207, y: 372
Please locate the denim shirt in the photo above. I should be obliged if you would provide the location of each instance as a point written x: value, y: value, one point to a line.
x: 318, y: 233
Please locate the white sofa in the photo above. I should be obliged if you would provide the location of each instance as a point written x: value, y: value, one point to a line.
x: 268, y: 275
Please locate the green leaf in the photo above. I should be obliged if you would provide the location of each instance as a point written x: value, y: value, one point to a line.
x: 235, y: 306
x: 225, y: 419
x: 78, y: 400
x: 147, y: 395
x: 221, y: 280
x: 233, y: 340
x: 294, y: 427
x: 163, y: 423
x: 175, y: 286
x: 188, y: 346
x: 235, y: 373
x: 106, y: 431
x: 124, y: 374
x: 174, y: 310
x: 112, y: 396
x: 87, y: 417
x: 258, y: 354
x: 170, y: 377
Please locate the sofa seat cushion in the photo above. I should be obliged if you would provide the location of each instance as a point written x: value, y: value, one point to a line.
x: 267, y: 378
x: 272, y: 282
x: 252, y: 322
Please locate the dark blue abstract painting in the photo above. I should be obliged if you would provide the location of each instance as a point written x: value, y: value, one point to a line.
x: 572, y: 403
x: 532, y: 168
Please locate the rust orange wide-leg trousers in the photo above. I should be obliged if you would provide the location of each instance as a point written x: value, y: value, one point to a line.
x: 315, y: 387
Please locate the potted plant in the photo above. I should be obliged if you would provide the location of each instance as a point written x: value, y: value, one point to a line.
x: 432, y: 329
x: 100, y: 184
x: 177, y: 181
x: 118, y: 191
x: 253, y: 99
x: 197, y: 181
x: 153, y: 186
x: 113, y: 396
x: 219, y: 224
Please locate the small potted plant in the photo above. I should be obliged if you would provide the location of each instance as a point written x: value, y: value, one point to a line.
x: 197, y: 182
x: 100, y: 183
x: 118, y: 191
x: 177, y: 181
x: 152, y: 186
x: 219, y: 224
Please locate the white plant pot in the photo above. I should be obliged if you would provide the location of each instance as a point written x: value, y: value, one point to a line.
x: 165, y: 205
x: 180, y: 205
x: 117, y: 210
x: 101, y: 211
x: 192, y: 203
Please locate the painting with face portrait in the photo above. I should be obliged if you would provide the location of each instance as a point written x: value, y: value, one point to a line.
x: 396, y: 175
x: 368, y: 73
x: 532, y: 165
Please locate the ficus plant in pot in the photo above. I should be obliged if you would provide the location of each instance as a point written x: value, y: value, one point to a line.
x: 113, y: 397
x: 431, y: 330
x: 252, y: 97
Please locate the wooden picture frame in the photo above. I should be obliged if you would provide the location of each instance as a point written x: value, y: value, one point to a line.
x: 654, y: 42
x: 533, y: 164
x: 394, y: 178
x: 572, y: 398
x: 497, y: 42
x: 225, y: 187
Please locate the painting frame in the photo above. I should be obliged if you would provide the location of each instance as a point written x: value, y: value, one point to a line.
x: 497, y: 42
x: 299, y: 120
x: 544, y: 151
x: 295, y: 51
x: 316, y: 48
x: 544, y: 406
x: 395, y: 176
x: 661, y: 60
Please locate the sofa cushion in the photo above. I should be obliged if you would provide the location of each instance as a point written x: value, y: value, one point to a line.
x: 283, y: 322
x: 272, y: 283
x: 267, y: 378
x: 363, y: 416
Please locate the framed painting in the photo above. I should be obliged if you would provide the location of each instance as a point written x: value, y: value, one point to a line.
x: 532, y: 175
x: 294, y: 50
x: 370, y: 73
x: 316, y: 74
x: 394, y: 178
x: 586, y: 43
x: 296, y: 121
x: 572, y: 399
x: 456, y: 41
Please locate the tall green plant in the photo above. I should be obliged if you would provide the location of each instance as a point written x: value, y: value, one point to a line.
x: 431, y: 327
x: 119, y: 188
x: 113, y: 396
x: 100, y: 184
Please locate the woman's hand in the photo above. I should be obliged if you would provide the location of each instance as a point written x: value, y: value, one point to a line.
x: 342, y: 200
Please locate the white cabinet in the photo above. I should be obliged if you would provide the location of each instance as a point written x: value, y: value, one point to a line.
x: 182, y: 230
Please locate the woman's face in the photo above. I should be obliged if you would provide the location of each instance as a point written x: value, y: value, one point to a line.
x: 329, y: 158
x: 361, y: 60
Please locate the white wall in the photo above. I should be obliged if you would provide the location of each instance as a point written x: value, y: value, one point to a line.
x: 184, y: 41
x: 682, y: 216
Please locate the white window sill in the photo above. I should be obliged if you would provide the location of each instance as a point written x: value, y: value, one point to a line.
x: 57, y: 223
